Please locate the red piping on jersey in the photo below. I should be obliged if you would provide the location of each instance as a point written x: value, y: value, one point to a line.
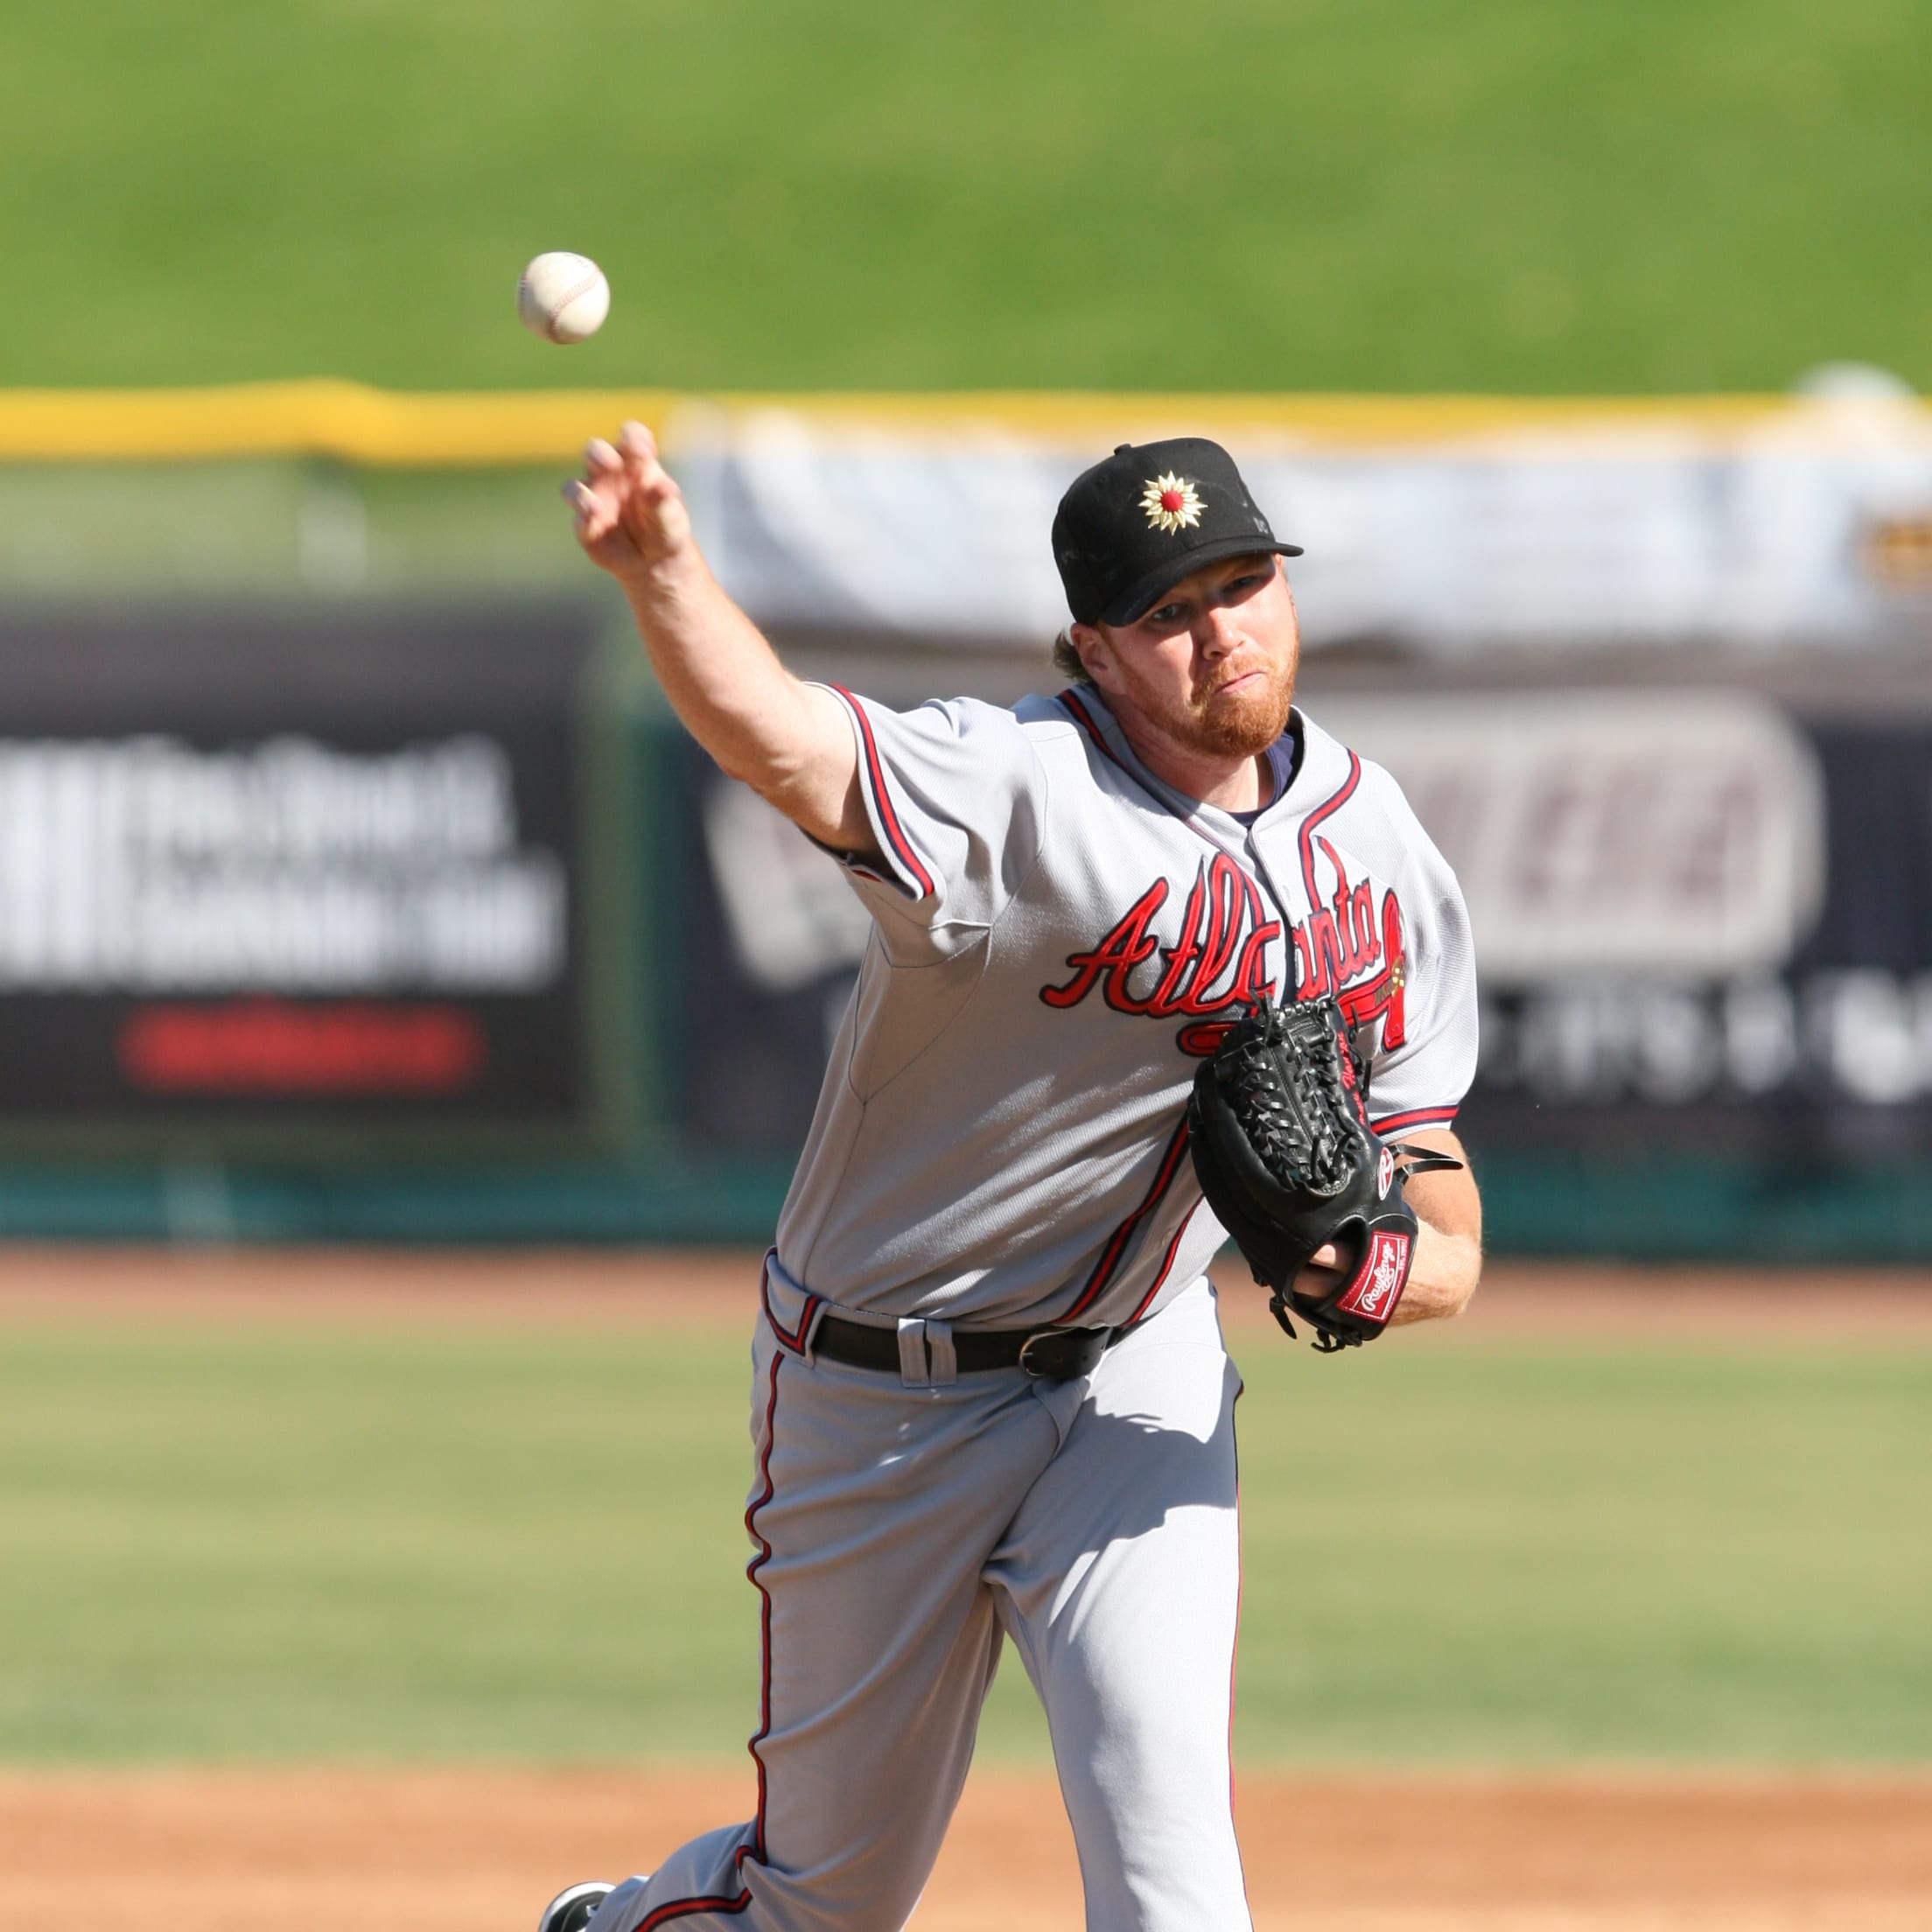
x: 726, y: 1908
x: 684, y: 1908
x: 895, y: 836
x: 1084, y: 720
x: 1326, y: 809
x: 796, y: 1340
x: 1234, y: 1652
x: 1117, y: 1243
x: 1322, y: 811
x: 1417, y: 1116
x: 751, y: 1571
x: 1166, y: 1265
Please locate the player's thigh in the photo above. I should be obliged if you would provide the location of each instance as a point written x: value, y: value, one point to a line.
x: 1122, y: 1579
x: 1122, y: 1566
x: 872, y: 1511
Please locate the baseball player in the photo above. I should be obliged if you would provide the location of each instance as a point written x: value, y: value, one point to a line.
x: 990, y: 1401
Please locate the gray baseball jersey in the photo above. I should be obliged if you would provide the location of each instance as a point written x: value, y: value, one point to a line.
x: 1000, y: 1142
x: 1059, y: 938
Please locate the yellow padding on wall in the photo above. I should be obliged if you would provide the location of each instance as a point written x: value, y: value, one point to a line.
x: 355, y: 423
x: 345, y: 420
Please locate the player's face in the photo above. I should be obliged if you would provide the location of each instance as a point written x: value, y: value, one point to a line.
x: 1211, y: 666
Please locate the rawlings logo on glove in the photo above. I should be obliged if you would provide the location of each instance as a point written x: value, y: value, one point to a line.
x: 1278, y: 1128
x: 1378, y: 1285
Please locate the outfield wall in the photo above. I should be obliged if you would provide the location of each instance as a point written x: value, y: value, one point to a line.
x: 380, y: 900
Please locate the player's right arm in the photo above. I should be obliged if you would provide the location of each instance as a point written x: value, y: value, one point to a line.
x: 791, y: 742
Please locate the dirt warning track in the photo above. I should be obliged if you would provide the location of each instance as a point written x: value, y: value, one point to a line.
x: 715, y: 1287
x: 471, y: 1851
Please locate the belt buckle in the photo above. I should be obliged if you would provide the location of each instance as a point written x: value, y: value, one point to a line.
x: 1079, y: 1350
x: 1030, y: 1362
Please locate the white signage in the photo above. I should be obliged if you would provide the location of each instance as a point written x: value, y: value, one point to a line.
x: 791, y: 916
x: 1802, y: 521
x: 143, y: 865
x: 1678, y: 833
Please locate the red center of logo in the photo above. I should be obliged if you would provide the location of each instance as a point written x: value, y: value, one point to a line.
x: 1171, y: 501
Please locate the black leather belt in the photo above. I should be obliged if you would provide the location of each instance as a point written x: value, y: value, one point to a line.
x: 1048, y: 1355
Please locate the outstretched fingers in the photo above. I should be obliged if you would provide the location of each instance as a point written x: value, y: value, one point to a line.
x: 649, y: 481
x: 598, y: 496
x: 627, y: 505
x: 596, y: 511
x: 643, y: 469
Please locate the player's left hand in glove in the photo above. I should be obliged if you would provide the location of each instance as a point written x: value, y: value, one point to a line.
x: 1278, y: 1126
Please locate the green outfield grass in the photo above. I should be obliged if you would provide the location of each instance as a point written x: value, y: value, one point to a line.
x: 1273, y: 195
x: 293, y: 1542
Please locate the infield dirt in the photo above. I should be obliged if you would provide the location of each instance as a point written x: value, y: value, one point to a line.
x: 465, y: 1852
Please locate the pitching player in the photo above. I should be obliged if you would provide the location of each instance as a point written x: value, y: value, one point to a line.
x: 990, y: 1396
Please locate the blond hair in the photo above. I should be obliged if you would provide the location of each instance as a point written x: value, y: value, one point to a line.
x: 1067, y: 659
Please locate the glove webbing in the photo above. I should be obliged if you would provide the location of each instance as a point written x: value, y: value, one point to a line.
x: 1297, y: 1143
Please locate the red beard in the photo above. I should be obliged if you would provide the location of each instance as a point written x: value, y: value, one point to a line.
x: 1240, y: 723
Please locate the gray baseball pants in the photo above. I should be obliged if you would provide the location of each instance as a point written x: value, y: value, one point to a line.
x: 901, y: 1531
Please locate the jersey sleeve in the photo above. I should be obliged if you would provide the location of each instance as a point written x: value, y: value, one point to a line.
x: 956, y: 795
x: 1426, y: 1054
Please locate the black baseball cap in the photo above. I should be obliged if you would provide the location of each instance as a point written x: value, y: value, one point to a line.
x: 1138, y: 523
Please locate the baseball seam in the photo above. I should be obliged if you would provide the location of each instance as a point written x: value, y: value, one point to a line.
x: 563, y: 308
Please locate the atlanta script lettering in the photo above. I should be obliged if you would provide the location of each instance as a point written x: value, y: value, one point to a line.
x: 1225, y: 934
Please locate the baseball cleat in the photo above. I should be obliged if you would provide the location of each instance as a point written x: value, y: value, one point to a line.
x: 571, y: 1909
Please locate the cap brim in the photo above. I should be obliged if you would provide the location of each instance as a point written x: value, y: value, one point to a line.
x: 1134, y: 604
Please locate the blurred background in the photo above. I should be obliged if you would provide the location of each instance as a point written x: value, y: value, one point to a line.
x: 353, y: 882
x: 356, y: 889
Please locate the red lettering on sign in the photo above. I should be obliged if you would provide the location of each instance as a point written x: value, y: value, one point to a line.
x: 268, y: 1047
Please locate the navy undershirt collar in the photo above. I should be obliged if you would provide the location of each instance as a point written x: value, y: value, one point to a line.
x: 1284, y: 755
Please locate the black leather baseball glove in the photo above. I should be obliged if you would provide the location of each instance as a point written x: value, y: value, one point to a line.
x: 1278, y: 1126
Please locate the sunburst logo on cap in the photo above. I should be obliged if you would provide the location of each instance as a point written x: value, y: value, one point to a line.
x: 1172, y: 503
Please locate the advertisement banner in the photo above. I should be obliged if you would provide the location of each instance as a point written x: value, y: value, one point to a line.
x: 1703, y: 923
x: 271, y: 874
x: 1809, y: 523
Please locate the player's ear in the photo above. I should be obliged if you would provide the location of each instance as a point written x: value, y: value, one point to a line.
x: 1092, y: 649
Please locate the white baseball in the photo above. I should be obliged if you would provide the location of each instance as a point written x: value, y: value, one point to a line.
x: 563, y: 298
